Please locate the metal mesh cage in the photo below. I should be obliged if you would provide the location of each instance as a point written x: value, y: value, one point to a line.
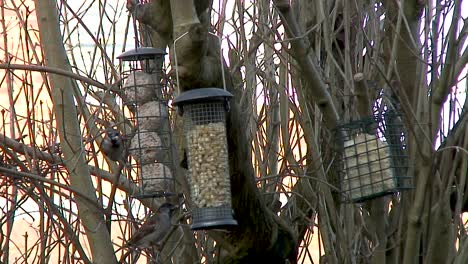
x: 205, y: 133
x: 212, y: 217
x: 144, y: 95
x: 204, y: 112
x: 373, y: 158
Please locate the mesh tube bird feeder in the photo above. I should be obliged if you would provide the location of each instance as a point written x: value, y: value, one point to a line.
x: 144, y: 95
x: 203, y: 112
x: 373, y: 159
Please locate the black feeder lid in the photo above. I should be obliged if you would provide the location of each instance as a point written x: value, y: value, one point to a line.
x: 141, y: 53
x: 201, y: 95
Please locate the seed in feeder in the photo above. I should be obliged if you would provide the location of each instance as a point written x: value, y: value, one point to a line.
x: 151, y: 115
x: 207, y: 149
x: 140, y: 87
x: 145, y: 147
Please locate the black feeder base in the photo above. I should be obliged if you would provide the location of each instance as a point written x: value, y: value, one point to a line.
x: 212, y: 218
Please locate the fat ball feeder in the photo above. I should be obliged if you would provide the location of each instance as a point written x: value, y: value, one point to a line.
x: 143, y: 92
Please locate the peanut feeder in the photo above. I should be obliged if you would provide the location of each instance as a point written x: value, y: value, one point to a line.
x: 204, y: 111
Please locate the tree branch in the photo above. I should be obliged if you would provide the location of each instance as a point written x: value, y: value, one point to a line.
x: 309, y: 69
x: 59, y: 71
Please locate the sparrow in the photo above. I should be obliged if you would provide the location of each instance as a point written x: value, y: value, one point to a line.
x: 112, y: 145
x: 153, y: 231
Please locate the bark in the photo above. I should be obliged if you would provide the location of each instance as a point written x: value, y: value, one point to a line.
x: 70, y: 135
x: 409, y: 49
x: 444, y: 84
x: 415, y: 223
x: 362, y: 95
x: 309, y: 68
x: 378, y: 219
x: 255, y: 237
x: 441, y: 234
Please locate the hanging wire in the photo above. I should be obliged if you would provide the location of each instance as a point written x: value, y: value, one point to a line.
x: 176, y: 64
x: 220, y: 60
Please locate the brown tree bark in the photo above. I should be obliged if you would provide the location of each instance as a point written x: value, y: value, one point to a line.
x: 70, y: 135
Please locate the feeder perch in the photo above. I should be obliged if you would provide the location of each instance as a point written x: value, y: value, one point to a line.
x: 373, y: 157
x: 204, y: 113
x: 144, y: 96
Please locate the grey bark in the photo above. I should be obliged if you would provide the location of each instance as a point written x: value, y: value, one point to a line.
x: 70, y: 135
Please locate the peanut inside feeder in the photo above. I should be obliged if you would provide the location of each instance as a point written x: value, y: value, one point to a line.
x: 207, y: 157
x: 204, y: 111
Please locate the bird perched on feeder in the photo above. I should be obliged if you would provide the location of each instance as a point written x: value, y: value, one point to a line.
x: 153, y: 231
x: 112, y: 145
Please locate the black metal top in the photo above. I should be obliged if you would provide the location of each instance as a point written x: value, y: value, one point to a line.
x: 141, y: 53
x: 201, y: 95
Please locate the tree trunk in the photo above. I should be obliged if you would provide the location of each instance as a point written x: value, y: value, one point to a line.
x: 91, y: 214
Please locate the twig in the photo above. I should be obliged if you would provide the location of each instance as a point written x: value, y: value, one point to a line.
x: 58, y: 71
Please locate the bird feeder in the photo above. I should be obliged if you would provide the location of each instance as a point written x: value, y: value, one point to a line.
x: 145, y: 97
x: 373, y: 159
x: 204, y: 114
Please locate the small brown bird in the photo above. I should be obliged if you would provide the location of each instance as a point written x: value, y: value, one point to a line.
x: 112, y: 145
x: 153, y: 231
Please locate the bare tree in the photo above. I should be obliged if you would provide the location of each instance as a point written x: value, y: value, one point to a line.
x: 298, y: 70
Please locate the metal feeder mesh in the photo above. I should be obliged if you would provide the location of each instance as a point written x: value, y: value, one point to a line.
x: 205, y: 134
x: 373, y: 158
x: 149, y: 144
x: 212, y: 217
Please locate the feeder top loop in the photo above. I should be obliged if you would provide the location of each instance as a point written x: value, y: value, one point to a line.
x: 142, y: 53
x: 202, y: 95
